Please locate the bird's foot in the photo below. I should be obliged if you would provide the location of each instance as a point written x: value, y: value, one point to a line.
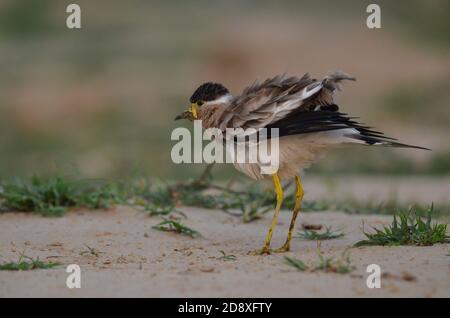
x: 263, y: 251
x: 285, y: 248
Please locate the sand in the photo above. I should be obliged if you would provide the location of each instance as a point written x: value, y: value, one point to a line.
x: 137, y: 261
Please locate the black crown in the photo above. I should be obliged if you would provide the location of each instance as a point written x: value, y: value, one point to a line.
x: 208, y: 92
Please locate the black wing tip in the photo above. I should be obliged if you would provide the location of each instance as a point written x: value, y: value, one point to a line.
x: 371, y: 138
x: 396, y: 144
x: 400, y: 145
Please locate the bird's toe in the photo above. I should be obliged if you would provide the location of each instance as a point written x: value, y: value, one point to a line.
x: 262, y: 251
x: 283, y: 249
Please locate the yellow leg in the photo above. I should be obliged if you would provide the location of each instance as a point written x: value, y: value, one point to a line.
x: 279, y: 193
x: 298, y: 205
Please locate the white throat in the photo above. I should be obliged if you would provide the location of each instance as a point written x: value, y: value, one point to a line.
x: 221, y: 100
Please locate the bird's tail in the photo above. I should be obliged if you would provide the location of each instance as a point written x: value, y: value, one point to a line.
x: 383, y: 141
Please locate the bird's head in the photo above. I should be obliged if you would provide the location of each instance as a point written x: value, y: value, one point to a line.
x: 206, y: 94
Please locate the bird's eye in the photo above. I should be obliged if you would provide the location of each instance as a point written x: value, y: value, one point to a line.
x: 199, y: 103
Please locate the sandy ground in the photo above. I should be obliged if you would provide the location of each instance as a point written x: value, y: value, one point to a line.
x: 136, y: 261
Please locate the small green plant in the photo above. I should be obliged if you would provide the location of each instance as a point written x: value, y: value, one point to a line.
x: 340, y: 266
x: 294, y: 262
x: 27, y: 264
x: 226, y: 257
x: 326, y: 264
x: 154, y: 202
x: 253, y: 201
x: 408, y: 229
x: 176, y: 227
x: 53, y: 196
x: 98, y: 196
x: 312, y: 235
x: 47, y: 196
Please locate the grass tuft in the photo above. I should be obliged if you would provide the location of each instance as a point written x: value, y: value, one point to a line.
x: 408, y: 229
x: 312, y: 235
x: 294, y: 262
x: 176, y: 227
x: 326, y: 264
x: 54, y: 195
x: 28, y: 264
x: 47, y: 196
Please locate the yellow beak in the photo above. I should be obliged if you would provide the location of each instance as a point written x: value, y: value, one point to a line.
x: 193, y: 110
x: 191, y: 113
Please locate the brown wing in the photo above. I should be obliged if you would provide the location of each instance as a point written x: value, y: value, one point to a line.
x: 274, y: 99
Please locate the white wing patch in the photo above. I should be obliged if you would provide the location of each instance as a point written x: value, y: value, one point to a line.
x: 282, y: 109
x: 306, y: 93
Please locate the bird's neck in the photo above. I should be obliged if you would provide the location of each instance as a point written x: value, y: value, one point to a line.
x: 211, y: 114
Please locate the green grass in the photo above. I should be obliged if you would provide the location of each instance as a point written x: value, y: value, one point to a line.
x: 176, y: 227
x: 408, y: 229
x: 249, y: 205
x: 54, y: 195
x: 28, y: 264
x: 253, y: 201
x: 294, y: 262
x: 312, y: 235
x: 341, y: 265
x: 50, y: 196
x: 250, y: 201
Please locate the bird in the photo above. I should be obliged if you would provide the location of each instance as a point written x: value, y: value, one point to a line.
x: 309, y: 123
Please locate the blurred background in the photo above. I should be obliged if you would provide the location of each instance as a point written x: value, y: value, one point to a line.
x: 100, y: 101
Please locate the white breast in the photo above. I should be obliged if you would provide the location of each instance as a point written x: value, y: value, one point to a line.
x: 298, y: 152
